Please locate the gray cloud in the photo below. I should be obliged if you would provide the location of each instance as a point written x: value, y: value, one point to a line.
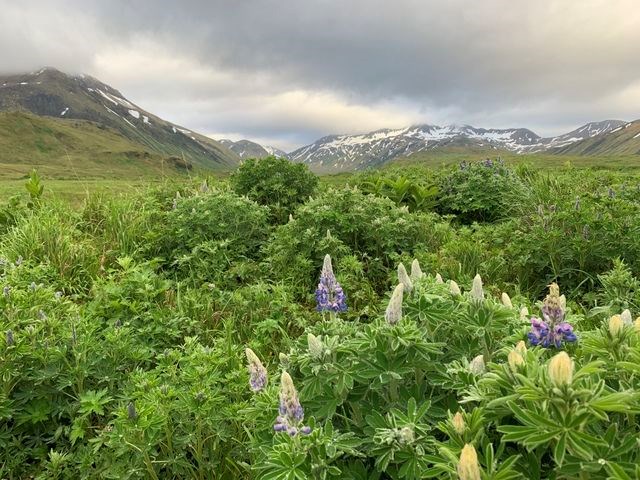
x: 288, y: 72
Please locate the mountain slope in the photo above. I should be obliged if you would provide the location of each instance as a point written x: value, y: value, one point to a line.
x: 249, y: 149
x: 67, y: 148
x: 622, y: 140
x: 355, y: 152
x: 52, y: 93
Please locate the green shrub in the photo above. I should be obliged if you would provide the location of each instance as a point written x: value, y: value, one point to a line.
x: 275, y: 182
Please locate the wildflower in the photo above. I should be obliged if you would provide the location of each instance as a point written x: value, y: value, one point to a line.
x: 468, y: 467
x: 521, y: 348
x: 33, y: 286
x: 42, y: 315
x: 284, y: 359
x: 506, y: 300
x: 561, y: 369
x: 406, y: 435
x: 626, y: 317
x: 577, y: 204
x: 403, y: 278
x: 316, y: 348
x: 636, y: 325
x: 57, y: 295
x: 6, y: 291
x: 204, y: 187
x: 131, y: 411
x: 552, y: 330
x: 291, y: 413
x: 616, y: 325
x: 458, y: 423
x: 19, y: 261
x: 524, y: 313
x: 416, y: 271
x: 454, y: 288
x: 439, y: 278
x: 290, y: 217
x: 476, y: 289
x: 258, y: 378
x: 393, y: 314
x: 476, y: 366
x: 515, y: 360
x: 9, y: 338
x: 329, y: 294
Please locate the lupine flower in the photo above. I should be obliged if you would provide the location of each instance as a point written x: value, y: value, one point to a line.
x: 9, y: 338
x: 290, y: 217
x: 636, y: 325
x: 476, y: 366
x: 403, y: 278
x: 524, y: 313
x: 284, y: 359
x: 406, y: 435
x: 476, y: 289
x: 468, y: 467
x: 6, y: 291
x: 458, y: 423
x: 506, y: 300
x: 131, y: 411
x: 33, y: 286
x: 561, y: 369
x: 521, y: 348
x: 57, y: 295
x: 552, y: 330
x: 42, y: 315
x: 515, y: 360
x: 393, y: 314
x: 416, y: 271
x: 439, y: 278
x: 329, y: 294
x: 19, y: 261
x: 615, y: 325
x: 454, y: 288
x: 316, y: 348
x: 258, y: 377
x: 204, y: 187
x: 291, y: 413
x: 577, y: 204
x: 626, y: 317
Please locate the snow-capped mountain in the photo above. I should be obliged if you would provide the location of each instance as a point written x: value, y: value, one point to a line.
x: 249, y: 149
x: 354, y: 152
x: 52, y: 93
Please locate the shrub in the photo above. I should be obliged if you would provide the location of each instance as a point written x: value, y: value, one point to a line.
x: 275, y: 182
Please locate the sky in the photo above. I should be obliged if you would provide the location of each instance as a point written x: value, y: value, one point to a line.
x: 285, y: 73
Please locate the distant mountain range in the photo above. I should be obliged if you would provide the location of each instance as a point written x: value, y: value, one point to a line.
x: 249, y: 149
x: 355, y: 152
x: 56, y: 95
x: 60, y: 113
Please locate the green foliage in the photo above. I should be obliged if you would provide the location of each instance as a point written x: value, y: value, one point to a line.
x: 403, y: 191
x: 275, y: 182
x: 479, y: 191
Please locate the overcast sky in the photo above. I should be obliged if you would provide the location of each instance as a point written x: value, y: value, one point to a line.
x: 286, y: 72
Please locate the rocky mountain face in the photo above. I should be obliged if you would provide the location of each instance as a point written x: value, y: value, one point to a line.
x: 49, y: 92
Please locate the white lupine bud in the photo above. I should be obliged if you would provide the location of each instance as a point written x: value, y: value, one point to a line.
x: 563, y: 302
x: 416, y: 271
x: 327, y: 268
x: 615, y: 325
x: 524, y: 313
x: 561, y: 369
x: 477, y: 366
x: 458, y: 423
x: 454, y: 288
x: 439, y: 278
x: 393, y: 313
x: 290, y: 218
x: 403, y: 278
x: 626, y: 317
x: 476, y: 289
x: 515, y: 360
x: 468, y: 467
x: 316, y: 348
x: 506, y: 300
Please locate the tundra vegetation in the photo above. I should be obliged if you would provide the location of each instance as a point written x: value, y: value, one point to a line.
x: 476, y: 321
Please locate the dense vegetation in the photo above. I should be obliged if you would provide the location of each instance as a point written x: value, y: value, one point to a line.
x: 405, y: 324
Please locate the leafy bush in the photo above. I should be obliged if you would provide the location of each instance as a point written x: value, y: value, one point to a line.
x: 479, y: 191
x: 275, y: 182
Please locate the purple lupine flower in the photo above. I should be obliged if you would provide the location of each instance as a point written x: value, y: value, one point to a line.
x: 258, y: 377
x: 551, y: 330
x: 329, y: 294
x: 291, y: 413
x: 9, y: 338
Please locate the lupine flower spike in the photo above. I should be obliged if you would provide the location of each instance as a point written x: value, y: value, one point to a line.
x: 476, y: 366
x: 258, y: 377
x: 561, y: 370
x: 403, y: 278
x: 458, y: 423
x: 506, y: 300
x: 439, y: 278
x: 454, y: 288
x: 551, y: 330
x: 291, y: 413
x: 626, y: 317
x: 476, y: 289
x: 329, y: 294
x: 316, y: 348
x: 615, y: 325
x: 468, y: 467
x: 393, y: 313
x: 416, y: 271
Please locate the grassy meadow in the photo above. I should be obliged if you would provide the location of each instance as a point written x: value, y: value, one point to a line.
x: 443, y: 317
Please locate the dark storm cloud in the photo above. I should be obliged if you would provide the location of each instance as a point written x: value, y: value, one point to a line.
x: 294, y: 70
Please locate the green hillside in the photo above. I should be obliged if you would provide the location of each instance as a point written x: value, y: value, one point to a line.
x: 66, y: 148
x: 624, y: 141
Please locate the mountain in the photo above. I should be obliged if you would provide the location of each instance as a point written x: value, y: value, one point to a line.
x: 622, y: 140
x: 56, y: 95
x: 355, y: 152
x: 249, y: 149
